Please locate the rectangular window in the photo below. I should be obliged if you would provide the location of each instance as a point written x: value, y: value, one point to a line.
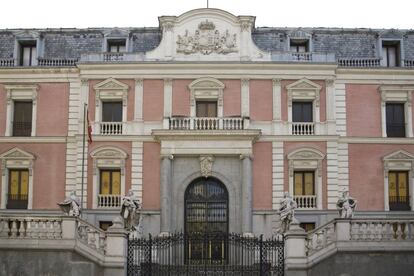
x: 395, y: 120
x: 302, y: 112
x: 17, y: 197
x: 111, y: 111
x: 299, y: 46
x: 398, y: 193
x: 28, y: 53
x: 307, y: 226
x: 117, y: 46
x: 22, y: 118
x: 390, y: 53
x: 110, y: 182
x: 304, y: 183
x: 206, y: 109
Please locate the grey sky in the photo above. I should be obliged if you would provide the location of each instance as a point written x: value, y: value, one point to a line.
x: 139, y: 13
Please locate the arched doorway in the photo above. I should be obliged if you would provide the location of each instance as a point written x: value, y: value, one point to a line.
x: 206, y: 206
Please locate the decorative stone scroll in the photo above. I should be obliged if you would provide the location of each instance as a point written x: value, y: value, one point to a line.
x: 207, y: 40
x: 206, y: 165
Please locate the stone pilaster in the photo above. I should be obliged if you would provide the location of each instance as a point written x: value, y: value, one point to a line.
x: 247, y: 194
x: 166, y: 171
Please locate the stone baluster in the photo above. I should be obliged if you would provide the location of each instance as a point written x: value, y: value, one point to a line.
x: 22, y: 229
x: 57, y: 229
x: 13, y: 229
x: 4, y: 228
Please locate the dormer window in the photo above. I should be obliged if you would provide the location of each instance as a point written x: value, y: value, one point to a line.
x: 116, y: 45
x: 299, y: 46
x: 28, y: 53
x: 390, y: 54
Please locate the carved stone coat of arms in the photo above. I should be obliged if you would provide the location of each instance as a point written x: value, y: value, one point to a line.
x: 206, y: 40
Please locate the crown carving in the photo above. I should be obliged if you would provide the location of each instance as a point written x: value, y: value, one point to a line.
x: 206, y: 25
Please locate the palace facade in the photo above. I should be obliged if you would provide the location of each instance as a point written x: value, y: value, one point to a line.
x: 209, y: 120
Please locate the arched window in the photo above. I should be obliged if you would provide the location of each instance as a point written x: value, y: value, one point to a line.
x: 206, y: 206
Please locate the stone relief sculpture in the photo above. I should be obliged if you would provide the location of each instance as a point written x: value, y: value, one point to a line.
x: 207, y: 40
x: 206, y: 165
x: 130, y: 211
x: 71, y: 205
x: 287, y: 212
x: 346, y: 205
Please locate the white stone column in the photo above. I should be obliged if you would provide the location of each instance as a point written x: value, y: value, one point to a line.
x: 165, y: 190
x: 409, y: 115
x: 277, y: 100
x: 247, y: 195
x: 330, y: 107
x: 167, y: 102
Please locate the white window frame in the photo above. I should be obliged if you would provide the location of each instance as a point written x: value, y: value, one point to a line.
x: 207, y: 89
x: 304, y: 90
x: 397, y: 94
x: 16, y: 93
x: 299, y: 35
x: 110, y: 90
x: 307, y: 159
x: 116, y: 34
x: 107, y: 158
x: 400, y: 160
x: 16, y: 158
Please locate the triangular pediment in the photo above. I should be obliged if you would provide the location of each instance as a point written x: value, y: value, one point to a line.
x: 304, y: 84
x: 305, y: 154
x: 399, y: 155
x: 111, y: 84
x: 16, y: 153
x: 26, y: 34
x: 206, y: 83
x: 109, y: 153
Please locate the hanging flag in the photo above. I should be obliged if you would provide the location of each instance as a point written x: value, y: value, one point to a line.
x: 89, y: 127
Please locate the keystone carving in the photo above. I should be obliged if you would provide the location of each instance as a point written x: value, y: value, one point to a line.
x: 206, y: 165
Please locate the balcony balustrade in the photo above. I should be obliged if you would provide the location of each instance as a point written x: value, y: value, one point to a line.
x: 57, y: 62
x: 112, y: 57
x: 299, y: 128
x: 359, y: 62
x: 303, y: 57
x: 207, y: 123
x: 305, y: 201
x: 7, y: 62
x: 109, y: 201
x: 409, y: 63
x: 110, y: 128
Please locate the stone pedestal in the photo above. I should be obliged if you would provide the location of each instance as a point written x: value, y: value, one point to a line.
x: 166, y: 170
x: 116, y: 249
x: 295, y: 244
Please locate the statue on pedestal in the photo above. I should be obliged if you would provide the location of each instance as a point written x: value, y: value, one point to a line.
x: 346, y: 205
x: 130, y: 211
x: 287, y: 211
x: 71, y: 205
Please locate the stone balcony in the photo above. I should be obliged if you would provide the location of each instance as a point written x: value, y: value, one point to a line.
x: 109, y: 202
x: 303, y: 57
x: 108, y: 57
x: 41, y: 62
x: 207, y: 123
x: 306, y: 202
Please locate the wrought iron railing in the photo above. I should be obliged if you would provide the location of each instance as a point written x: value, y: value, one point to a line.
x: 399, y: 203
x: 17, y: 201
x: 22, y: 128
x: 205, y: 254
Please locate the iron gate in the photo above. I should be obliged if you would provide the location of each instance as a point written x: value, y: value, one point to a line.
x: 205, y: 254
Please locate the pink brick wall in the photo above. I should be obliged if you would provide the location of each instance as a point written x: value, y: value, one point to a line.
x: 261, y: 100
x: 151, y: 176
x: 262, y: 176
x: 366, y: 173
x: 181, y: 98
x: 363, y: 109
x: 153, y: 100
x: 52, y: 109
x: 232, y: 98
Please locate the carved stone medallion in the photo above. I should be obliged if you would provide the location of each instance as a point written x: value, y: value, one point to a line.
x: 207, y: 40
x: 206, y: 165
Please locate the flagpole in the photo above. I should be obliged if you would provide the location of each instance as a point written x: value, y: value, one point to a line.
x: 83, y: 153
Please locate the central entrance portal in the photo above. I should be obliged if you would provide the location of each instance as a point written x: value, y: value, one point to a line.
x: 206, y: 217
